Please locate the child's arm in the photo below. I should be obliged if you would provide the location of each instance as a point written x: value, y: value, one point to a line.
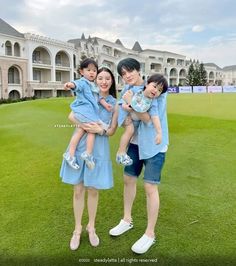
x: 157, y: 124
x: 69, y: 86
x: 106, y: 105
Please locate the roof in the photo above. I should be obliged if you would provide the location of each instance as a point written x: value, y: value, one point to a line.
x: 212, y: 65
x: 137, y: 47
x: 7, y: 29
x: 227, y: 68
x: 118, y: 42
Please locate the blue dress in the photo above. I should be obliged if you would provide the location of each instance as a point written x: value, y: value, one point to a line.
x: 101, y: 177
x: 85, y: 106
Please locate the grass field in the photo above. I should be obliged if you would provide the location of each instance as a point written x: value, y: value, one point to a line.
x: 197, y: 221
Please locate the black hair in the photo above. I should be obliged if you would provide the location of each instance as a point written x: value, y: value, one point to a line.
x: 159, y: 80
x: 112, y: 89
x: 86, y: 62
x: 128, y: 64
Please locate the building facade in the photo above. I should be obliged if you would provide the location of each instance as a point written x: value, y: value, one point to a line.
x: 32, y: 65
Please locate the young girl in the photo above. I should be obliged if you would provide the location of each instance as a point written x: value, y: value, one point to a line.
x: 84, y: 109
x: 142, y: 101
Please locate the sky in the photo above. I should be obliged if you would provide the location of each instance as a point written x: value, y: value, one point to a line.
x: 203, y: 30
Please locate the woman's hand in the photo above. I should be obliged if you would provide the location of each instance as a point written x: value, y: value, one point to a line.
x: 128, y: 96
x: 92, y: 127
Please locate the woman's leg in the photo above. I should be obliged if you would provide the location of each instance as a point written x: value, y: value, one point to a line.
x: 92, y: 206
x: 92, y: 211
x: 78, y: 205
x: 153, y: 203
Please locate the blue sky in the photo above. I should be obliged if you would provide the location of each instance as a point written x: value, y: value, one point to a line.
x: 202, y: 29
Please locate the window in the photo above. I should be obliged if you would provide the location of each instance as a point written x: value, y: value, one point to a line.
x: 8, y: 48
x: 37, y: 75
x: 16, y: 49
x: 58, y: 76
x: 36, y: 56
x: 13, y: 76
x: 58, y: 60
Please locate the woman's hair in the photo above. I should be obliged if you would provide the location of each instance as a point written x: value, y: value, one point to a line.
x: 159, y: 80
x: 86, y: 62
x: 112, y: 89
x: 128, y: 64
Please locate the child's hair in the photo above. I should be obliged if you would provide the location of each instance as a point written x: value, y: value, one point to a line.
x: 128, y: 64
x: 112, y: 90
x: 86, y: 62
x: 159, y: 80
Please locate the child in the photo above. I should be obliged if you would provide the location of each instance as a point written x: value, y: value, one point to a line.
x: 85, y: 109
x: 142, y: 101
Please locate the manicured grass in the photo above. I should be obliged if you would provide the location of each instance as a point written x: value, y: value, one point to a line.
x: 197, y: 218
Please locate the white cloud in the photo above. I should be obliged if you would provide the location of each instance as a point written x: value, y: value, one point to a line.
x: 198, y: 28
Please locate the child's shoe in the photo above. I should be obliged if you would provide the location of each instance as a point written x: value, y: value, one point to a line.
x: 124, y: 159
x: 88, y: 158
x: 71, y: 161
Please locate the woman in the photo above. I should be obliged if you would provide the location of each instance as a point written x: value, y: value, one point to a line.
x: 101, y: 176
x: 143, y: 151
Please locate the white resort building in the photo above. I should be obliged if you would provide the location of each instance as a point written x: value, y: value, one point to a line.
x: 32, y: 65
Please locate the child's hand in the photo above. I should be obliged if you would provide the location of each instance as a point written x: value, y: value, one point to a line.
x: 158, y: 138
x: 109, y: 107
x: 68, y: 86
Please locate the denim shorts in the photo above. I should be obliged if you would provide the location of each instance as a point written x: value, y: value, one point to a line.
x: 153, y: 165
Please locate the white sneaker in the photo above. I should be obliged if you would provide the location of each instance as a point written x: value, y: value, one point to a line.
x: 121, y: 228
x: 143, y: 244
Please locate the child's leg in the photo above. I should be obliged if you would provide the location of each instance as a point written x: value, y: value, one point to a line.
x: 87, y: 155
x: 125, y: 138
x: 75, y: 140
x: 90, y: 143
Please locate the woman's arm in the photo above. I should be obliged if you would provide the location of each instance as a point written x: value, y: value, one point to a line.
x: 112, y: 129
x: 89, y: 127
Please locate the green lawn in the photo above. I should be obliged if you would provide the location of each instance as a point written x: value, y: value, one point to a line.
x: 197, y: 221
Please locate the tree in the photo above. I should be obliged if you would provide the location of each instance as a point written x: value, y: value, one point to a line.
x: 190, y: 76
x: 197, y: 75
x: 202, y: 75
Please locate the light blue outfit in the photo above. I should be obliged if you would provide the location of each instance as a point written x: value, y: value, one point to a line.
x: 122, y: 113
x: 146, y: 133
x: 140, y: 103
x: 153, y: 110
x: 85, y: 106
x: 101, y: 177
